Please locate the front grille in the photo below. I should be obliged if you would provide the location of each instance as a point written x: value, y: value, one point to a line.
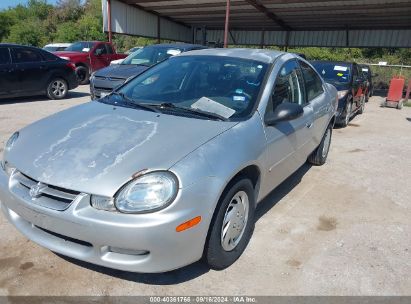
x: 109, y: 78
x: 48, y: 196
x: 66, y: 238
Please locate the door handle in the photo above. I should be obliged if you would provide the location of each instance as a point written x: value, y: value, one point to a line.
x: 309, y: 125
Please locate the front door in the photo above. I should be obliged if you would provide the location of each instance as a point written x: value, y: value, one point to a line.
x: 288, y: 141
x: 99, y: 57
x: 30, y: 70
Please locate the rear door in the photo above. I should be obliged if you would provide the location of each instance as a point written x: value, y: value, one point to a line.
x: 7, y: 73
x: 317, y: 99
x: 31, y: 69
x: 288, y: 141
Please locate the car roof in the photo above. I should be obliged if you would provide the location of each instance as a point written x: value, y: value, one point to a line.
x: 266, y: 56
x: 18, y: 45
x: 181, y: 46
x: 332, y: 62
x: 58, y: 44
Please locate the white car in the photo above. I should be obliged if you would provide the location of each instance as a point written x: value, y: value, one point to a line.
x: 118, y: 61
x: 54, y: 47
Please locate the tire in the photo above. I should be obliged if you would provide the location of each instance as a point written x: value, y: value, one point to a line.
x: 57, y: 88
x: 362, y: 107
x: 347, y: 114
x: 367, y: 97
x: 83, y: 74
x: 319, y: 155
x: 219, y: 252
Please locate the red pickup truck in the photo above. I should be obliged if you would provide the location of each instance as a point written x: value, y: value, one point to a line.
x: 89, y: 56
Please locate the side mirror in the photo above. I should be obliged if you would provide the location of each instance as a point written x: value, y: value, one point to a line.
x: 284, y: 112
x: 98, y: 52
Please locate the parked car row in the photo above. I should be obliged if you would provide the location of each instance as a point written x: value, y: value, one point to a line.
x: 351, y: 84
x: 105, y: 80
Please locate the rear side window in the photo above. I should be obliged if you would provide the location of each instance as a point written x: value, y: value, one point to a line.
x: 313, y: 82
x: 49, y: 56
x: 4, y: 56
x: 100, y: 49
x: 22, y: 55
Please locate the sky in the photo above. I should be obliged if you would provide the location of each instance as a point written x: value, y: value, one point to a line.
x: 7, y: 3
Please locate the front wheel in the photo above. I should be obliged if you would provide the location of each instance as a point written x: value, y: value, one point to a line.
x: 347, y: 113
x: 57, y: 88
x: 232, y: 225
x: 319, y: 155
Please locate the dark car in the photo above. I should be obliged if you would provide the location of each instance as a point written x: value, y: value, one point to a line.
x: 28, y: 71
x: 105, y: 80
x: 366, y: 71
x: 348, y: 78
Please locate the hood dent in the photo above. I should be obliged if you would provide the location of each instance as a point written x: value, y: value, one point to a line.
x: 109, y: 139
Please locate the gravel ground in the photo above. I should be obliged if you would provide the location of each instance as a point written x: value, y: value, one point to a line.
x: 340, y: 229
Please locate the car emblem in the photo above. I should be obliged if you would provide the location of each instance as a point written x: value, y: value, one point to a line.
x: 37, y: 190
x: 108, y: 78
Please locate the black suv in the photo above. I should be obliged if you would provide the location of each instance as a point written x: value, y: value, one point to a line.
x: 29, y: 71
x: 103, y: 81
x: 348, y: 78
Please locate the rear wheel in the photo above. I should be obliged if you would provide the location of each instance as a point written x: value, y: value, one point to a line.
x: 57, y: 88
x: 347, y: 113
x: 232, y: 225
x: 362, y: 106
x: 83, y: 74
x: 319, y: 155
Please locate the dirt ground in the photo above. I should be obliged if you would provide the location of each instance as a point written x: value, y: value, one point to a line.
x: 340, y: 229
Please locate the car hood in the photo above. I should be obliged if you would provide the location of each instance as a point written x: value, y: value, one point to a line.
x: 96, y: 148
x: 123, y: 71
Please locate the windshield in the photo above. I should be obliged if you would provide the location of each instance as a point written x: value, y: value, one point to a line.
x: 151, y: 55
x: 224, y: 86
x: 333, y: 72
x: 80, y: 47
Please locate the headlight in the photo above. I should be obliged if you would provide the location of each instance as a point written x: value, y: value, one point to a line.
x: 341, y: 94
x: 7, y: 168
x: 149, y: 192
x: 11, y: 141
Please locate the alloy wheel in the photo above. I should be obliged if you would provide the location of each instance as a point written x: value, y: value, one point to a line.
x: 58, y: 88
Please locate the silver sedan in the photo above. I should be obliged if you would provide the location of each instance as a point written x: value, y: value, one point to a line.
x: 170, y: 167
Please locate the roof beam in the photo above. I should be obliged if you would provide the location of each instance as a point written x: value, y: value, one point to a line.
x: 269, y: 14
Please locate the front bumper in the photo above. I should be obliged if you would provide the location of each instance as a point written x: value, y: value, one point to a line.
x: 138, y: 243
x: 102, y: 85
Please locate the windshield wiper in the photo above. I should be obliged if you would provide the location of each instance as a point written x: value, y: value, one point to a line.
x: 169, y: 105
x: 128, y: 102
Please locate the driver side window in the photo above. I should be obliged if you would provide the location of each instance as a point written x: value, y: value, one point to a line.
x: 100, y: 50
x: 287, y: 87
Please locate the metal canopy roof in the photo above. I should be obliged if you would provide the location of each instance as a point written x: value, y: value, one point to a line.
x: 330, y: 23
x: 284, y: 14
